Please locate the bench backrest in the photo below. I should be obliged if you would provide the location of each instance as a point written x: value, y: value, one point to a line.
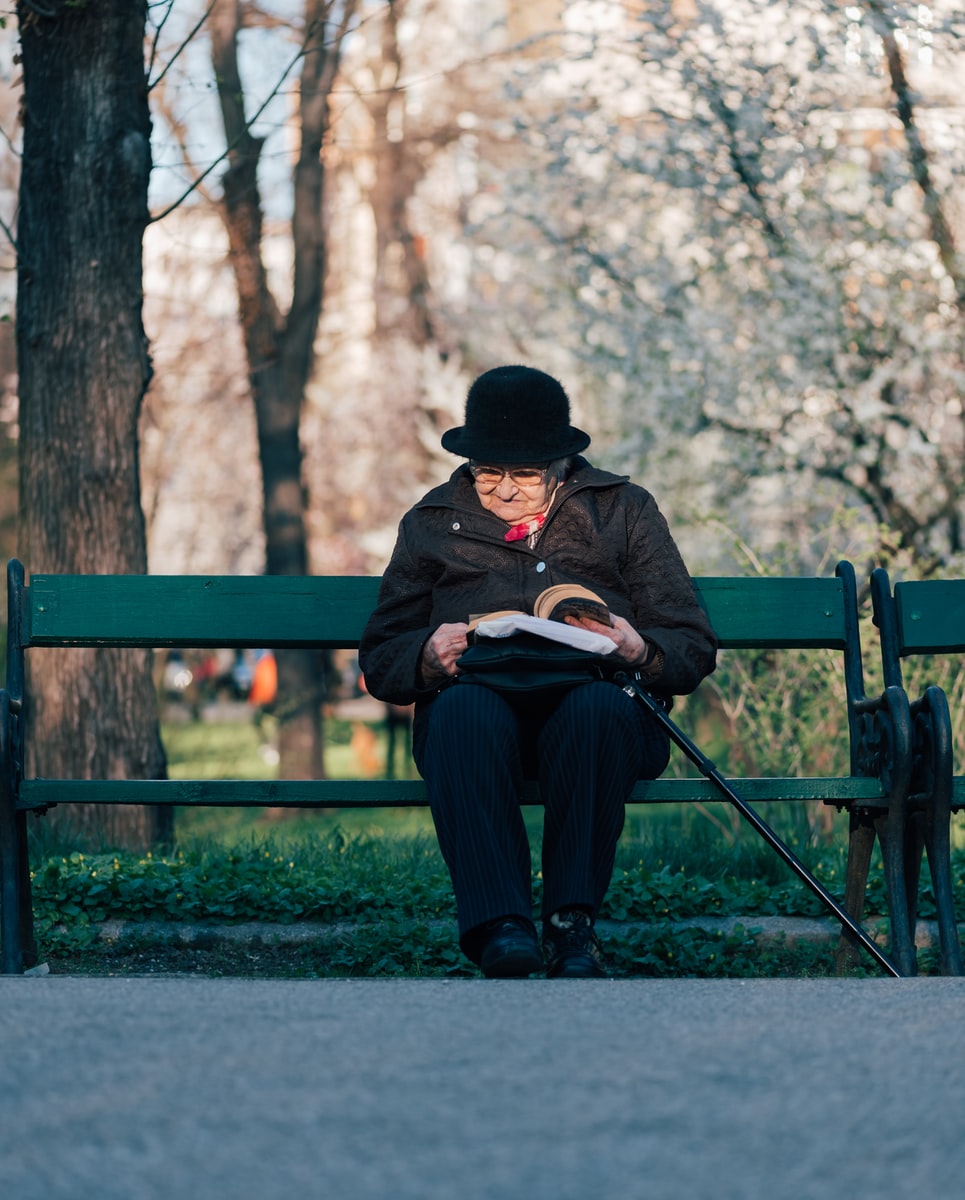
x: 930, y: 616
x: 917, y: 617
x: 331, y: 612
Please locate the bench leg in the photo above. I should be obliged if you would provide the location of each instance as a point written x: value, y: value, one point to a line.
x: 933, y: 744
x: 28, y: 942
x: 905, y: 835
x: 938, y: 849
x: 892, y: 834
x: 929, y: 833
x: 914, y: 850
x: 890, y: 746
x: 861, y: 842
x: 11, y: 955
x: 901, y: 850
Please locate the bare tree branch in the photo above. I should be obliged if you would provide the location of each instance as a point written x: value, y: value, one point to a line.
x: 8, y: 233
x: 746, y: 166
x: 941, y: 230
x: 178, y: 130
x: 242, y: 125
x: 180, y: 50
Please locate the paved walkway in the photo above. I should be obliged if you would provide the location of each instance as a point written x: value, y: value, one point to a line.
x: 143, y: 1088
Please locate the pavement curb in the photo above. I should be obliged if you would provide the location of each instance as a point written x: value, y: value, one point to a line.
x: 199, y: 935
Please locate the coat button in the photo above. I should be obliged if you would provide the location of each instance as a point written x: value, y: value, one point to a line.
x: 456, y: 525
x: 540, y: 567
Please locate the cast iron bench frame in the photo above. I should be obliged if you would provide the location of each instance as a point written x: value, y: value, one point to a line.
x: 926, y: 617
x: 330, y: 613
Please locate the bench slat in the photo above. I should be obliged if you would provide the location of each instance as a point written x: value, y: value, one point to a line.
x: 775, y: 613
x: 402, y: 793
x: 205, y: 611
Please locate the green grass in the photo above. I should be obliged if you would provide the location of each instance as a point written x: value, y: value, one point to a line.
x: 243, y: 750
x: 202, y: 750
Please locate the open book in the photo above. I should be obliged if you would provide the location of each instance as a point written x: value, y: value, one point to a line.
x: 548, y: 619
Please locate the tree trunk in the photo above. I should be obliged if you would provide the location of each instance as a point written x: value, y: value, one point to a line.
x: 83, y: 369
x: 401, y: 286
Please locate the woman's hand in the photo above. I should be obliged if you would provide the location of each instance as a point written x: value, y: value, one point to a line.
x: 631, y: 647
x: 440, y: 652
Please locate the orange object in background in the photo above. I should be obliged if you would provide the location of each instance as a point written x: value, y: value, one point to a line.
x: 365, y: 748
x: 264, y: 681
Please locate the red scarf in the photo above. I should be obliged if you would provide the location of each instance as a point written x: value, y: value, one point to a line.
x: 524, y: 529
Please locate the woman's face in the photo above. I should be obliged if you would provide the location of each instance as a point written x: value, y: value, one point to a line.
x: 512, y: 499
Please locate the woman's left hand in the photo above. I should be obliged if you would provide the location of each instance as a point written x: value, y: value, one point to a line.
x: 631, y: 647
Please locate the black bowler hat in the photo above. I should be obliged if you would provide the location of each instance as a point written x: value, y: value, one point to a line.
x: 516, y: 415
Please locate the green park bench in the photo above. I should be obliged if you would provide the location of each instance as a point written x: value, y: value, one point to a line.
x: 329, y: 613
x: 926, y: 617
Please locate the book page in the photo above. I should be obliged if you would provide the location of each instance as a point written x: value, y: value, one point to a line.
x: 555, y: 631
x: 570, y: 599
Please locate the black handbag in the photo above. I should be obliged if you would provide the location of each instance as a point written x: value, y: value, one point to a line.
x: 525, y: 662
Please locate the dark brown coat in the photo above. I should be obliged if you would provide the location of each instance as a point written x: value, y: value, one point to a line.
x: 451, y: 561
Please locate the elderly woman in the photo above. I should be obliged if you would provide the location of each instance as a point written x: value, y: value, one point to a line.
x: 525, y: 513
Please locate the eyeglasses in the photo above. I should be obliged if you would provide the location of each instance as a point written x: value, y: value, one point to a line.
x: 490, y: 477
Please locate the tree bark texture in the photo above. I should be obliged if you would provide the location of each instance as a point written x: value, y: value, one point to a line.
x: 280, y: 349
x: 401, y: 274
x: 83, y: 369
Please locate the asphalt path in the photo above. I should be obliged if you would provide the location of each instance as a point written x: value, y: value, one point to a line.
x: 184, y: 1087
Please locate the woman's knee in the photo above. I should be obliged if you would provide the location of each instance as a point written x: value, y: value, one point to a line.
x: 605, y: 714
x: 470, y: 703
x: 598, y: 703
x: 462, y: 714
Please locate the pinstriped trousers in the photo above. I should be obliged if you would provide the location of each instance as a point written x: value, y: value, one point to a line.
x: 587, y: 747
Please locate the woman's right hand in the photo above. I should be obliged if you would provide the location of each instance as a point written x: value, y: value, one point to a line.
x: 440, y: 652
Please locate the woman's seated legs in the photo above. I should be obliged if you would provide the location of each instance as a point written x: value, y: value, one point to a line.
x: 587, y: 747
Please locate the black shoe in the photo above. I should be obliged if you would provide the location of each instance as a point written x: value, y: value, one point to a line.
x: 571, y: 947
x: 511, y: 950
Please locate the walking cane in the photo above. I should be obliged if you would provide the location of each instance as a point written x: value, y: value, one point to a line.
x: 709, y: 771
